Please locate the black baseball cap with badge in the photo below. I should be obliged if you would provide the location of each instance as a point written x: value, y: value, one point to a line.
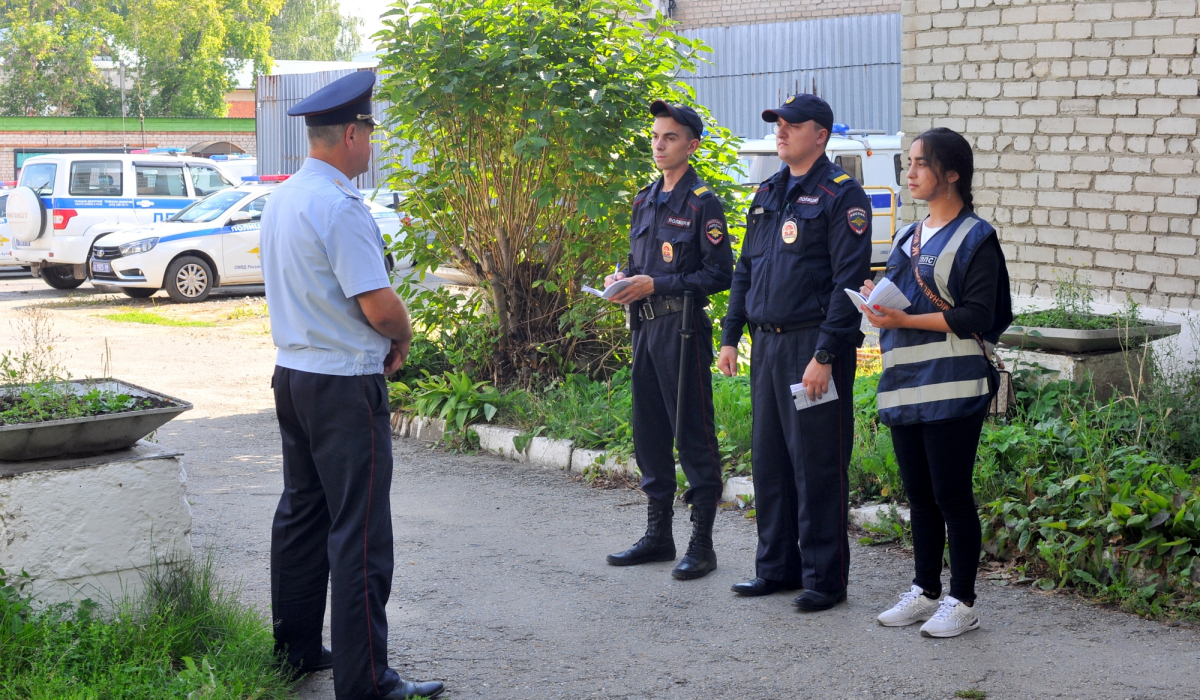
x: 681, y: 113
x: 800, y: 108
x: 345, y: 100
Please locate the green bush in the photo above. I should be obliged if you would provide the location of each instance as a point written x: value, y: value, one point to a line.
x: 874, y: 474
x: 530, y: 132
x: 593, y: 414
x: 186, y: 636
x: 731, y: 404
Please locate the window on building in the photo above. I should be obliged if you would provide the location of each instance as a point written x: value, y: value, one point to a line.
x: 852, y: 165
x: 160, y: 181
x: 95, y: 178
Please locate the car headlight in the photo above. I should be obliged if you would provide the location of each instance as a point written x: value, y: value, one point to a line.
x: 142, y: 246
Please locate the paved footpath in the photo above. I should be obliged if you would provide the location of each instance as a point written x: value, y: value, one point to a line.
x: 501, y: 589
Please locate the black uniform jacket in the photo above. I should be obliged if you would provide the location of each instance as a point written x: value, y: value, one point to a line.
x: 681, y: 243
x: 802, y: 248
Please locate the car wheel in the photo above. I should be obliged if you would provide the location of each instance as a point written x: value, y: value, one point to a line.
x: 138, y: 292
x: 60, y: 276
x: 189, y: 279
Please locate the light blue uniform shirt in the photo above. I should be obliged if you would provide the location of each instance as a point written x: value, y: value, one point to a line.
x: 320, y: 248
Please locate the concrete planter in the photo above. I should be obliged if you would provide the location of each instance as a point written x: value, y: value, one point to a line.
x: 1064, y: 340
x: 83, y: 526
x: 74, y: 436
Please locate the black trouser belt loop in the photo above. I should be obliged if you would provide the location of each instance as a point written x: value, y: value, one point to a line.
x: 654, y: 306
x: 772, y: 328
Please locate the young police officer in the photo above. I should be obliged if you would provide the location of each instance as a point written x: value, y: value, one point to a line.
x: 808, y: 236
x: 677, y: 244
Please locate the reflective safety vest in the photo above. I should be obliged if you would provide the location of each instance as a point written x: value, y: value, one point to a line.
x: 930, y: 376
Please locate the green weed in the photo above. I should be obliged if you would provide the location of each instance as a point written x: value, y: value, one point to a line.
x: 154, y: 319
x: 185, y: 636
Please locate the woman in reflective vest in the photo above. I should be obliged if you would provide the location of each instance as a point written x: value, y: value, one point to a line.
x: 938, y: 378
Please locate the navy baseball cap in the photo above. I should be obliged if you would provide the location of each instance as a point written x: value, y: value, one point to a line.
x: 681, y: 113
x: 345, y: 100
x: 801, y: 108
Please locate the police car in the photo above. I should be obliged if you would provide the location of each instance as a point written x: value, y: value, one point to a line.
x: 871, y: 157
x: 65, y: 202
x: 211, y: 243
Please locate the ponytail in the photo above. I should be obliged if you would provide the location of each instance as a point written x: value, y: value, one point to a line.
x: 947, y: 151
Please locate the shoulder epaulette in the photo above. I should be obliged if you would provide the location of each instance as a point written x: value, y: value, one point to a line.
x: 353, y: 194
x: 839, y: 179
x: 701, y: 191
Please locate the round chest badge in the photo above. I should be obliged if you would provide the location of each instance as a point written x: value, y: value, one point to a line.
x: 668, y: 252
x: 789, y: 231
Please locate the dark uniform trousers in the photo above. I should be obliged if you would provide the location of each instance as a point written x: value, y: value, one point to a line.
x: 655, y: 394
x: 800, y: 461
x: 334, y: 524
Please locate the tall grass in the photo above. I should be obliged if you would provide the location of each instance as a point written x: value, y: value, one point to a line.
x: 184, y: 636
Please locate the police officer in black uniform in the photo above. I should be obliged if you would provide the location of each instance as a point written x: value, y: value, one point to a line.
x: 808, y: 236
x: 678, y: 243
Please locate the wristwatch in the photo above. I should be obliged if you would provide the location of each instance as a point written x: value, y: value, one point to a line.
x: 824, y: 357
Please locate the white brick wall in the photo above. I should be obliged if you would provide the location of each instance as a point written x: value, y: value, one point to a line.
x: 693, y: 14
x: 1083, y: 119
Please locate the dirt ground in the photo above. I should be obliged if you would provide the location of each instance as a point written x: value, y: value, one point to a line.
x: 501, y: 589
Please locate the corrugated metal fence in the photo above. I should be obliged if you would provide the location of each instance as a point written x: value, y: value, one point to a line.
x: 851, y: 62
x: 282, y: 140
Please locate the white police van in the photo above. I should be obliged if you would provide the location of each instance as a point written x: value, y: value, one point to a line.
x: 211, y: 243
x: 874, y: 158
x: 65, y: 202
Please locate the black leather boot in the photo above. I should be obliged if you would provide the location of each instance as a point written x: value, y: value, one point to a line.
x: 701, y: 559
x: 657, y: 545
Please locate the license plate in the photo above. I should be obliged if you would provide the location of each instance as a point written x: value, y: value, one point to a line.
x: 101, y: 266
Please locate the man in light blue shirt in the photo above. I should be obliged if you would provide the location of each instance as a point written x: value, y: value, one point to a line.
x: 339, y: 327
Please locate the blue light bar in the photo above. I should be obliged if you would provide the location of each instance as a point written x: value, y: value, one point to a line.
x: 230, y: 156
x: 264, y: 178
x: 168, y: 150
x: 840, y: 128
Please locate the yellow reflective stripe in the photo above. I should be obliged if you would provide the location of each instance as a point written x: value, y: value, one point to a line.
x: 841, y: 178
x: 965, y: 389
x: 953, y: 346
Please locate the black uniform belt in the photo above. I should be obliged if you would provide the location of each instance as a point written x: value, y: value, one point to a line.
x: 772, y: 328
x: 655, y: 305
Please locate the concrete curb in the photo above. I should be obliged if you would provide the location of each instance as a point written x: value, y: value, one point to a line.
x: 738, y: 486
x: 582, y: 460
x: 873, y: 513
x: 499, y: 441
x: 562, y: 454
x: 548, y: 452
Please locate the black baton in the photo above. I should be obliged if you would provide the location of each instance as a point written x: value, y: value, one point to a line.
x: 686, y: 331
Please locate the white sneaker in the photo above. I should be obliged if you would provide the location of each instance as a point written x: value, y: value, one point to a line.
x: 952, y: 618
x: 914, y: 606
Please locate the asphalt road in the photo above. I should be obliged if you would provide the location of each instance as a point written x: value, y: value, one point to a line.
x: 501, y: 589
